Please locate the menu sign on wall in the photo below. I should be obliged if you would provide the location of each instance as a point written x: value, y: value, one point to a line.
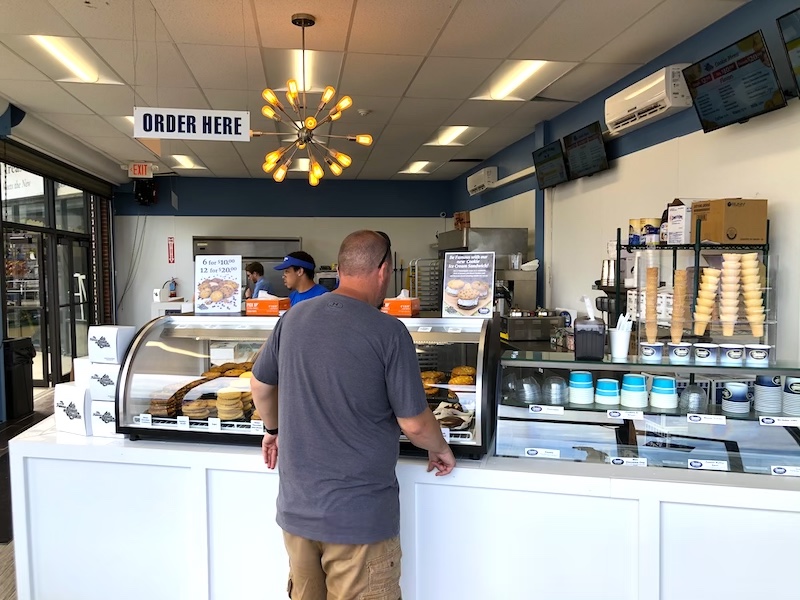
x: 586, y: 152
x: 217, y: 283
x: 468, y: 284
x: 790, y: 31
x: 734, y: 84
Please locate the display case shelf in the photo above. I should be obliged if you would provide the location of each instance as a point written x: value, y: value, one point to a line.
x: 701, y: 246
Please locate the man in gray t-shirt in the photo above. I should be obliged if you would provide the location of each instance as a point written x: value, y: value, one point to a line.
x: 348, y: 381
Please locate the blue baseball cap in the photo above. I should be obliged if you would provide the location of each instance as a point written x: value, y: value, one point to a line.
x: 291, y: 261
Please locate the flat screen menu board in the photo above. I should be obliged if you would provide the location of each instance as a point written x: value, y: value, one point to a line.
x: 734, y: 84
x: 789, y: 25
x: 551, y: 168
x: 586, y: 152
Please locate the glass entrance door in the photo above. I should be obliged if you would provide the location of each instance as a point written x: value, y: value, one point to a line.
x: 72, y: 304
x: 26, y: 314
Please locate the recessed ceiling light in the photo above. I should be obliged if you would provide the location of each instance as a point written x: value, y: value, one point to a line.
x: 417, y: 167
x: 130, y: 119
x: 77, y: 57
x: 521, y: 80
x: 186, y: 162
x: 455, y: 135
x: 300, y: 164
x: 516, y: 77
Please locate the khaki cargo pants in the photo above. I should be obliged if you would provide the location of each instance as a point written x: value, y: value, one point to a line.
x: 320, y: 571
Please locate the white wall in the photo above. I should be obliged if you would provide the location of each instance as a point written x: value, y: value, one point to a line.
x: 517, y: 211
x: 411, y: 238
x: 758, y: 159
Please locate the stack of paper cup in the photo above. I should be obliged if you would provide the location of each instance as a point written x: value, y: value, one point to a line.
x: 679, y: 290
x: 651, y: 301
x: 729, y: 296
x: 705, y: 299
x: 753, y: 295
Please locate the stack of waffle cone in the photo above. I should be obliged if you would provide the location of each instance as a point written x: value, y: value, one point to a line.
x: 753, y: 293
x: 651, y: 302
x: 705, y: 300
x: 729, y: 297
x: 678, y: 305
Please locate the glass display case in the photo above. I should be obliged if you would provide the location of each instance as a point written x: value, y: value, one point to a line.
x: 458, y: 361
x: 631, y: 413
x: 187, y: 377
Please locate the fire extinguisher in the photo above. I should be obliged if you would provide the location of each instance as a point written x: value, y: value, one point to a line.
x: 173, y: 288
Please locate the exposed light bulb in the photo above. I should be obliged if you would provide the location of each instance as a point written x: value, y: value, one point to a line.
x: 292, y: 85
x: 268, y: 166
x: 335, y: 167
x: 313, y: 180
x: 270, y: 97
x: 343, y: 159
x: 335, y: 115
x: 344, y: 103
x: 328, y: 94
x: 301, y: 145
x: 316, y: 168
x: 275, y: 155
x: 268, y: 112
x: 280, y: 173
x: 364, y: 139
x: 310, y: 123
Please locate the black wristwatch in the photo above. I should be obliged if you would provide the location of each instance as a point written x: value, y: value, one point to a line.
x: 271, y: 431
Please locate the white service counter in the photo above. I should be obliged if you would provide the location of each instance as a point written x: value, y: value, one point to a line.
x: 99, y: 518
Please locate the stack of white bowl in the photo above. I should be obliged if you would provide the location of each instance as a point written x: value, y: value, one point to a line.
x: 705, y: 300
x: 791, y: 397
x: 734, y: 398
x: 729, y: 297
x: 753, y: 293
x: 768, y: 394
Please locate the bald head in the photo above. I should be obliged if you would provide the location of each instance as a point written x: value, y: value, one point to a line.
x: 361, y: 253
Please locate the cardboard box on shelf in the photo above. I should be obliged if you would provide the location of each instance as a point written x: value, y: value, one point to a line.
x: 461, y: 220
x: 401, y: 307
x: 103, y: 419
x: 272, y: 307
x: 109, y: 343
x: 71, y: 406
x: 679, y: 223
x: 731, y: 220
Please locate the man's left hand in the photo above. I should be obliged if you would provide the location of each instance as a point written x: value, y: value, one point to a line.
x: 269, y: 450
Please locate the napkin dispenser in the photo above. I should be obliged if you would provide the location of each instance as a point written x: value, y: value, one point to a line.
x: 590, y: 338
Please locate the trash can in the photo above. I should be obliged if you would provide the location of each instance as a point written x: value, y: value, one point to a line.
x: 18, y: 363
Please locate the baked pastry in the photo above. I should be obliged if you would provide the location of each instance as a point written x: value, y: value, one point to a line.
x: 454, y: 286
x: 462, y: 380
x: 463, y: 370
x: 233, y: 373
x: 230, y: 415
x: 437, y: 376
x: 430, y: 390
x: 247, y: 366
x: 246, y: 375
x: 255, y: 416
x: 468, y: 298
x: 211, y: 375
x: 160, y: 407
x: 227, y: 394
x: 225, y: 367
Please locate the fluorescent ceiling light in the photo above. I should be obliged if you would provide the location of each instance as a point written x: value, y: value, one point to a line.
x: 300, y: 164
x: 416, y: 167
x: 186, y: 162
x: 60, y: 50
x: 298, y: 69
x: 516, y: 77
x: 130, y: 119
x: 456, y: 135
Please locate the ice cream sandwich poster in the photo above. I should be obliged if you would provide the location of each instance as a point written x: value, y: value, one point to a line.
x: 217, y: 284
x: 468, y: 284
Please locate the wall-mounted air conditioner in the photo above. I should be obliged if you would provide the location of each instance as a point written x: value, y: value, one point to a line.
x: 482, y: 180
x: 657, y: 96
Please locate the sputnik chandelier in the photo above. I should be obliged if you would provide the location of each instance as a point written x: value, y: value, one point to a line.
x: 305, y: 126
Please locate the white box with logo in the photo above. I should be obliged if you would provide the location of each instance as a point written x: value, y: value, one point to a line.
x: 103, y: 380
x: 71, y: 407
x: 103, y: 419
x: 108, y: 343
x: 82, y: 370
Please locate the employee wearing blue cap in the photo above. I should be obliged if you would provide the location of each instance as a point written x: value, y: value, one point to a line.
x: 298, y: 276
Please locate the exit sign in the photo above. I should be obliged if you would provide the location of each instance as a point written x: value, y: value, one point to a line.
x: 140, y: 170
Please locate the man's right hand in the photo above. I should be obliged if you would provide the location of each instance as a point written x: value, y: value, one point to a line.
x: 443, y: 462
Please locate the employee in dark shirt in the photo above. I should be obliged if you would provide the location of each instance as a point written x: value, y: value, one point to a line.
x: 298, y: 276
x: 255, y: 276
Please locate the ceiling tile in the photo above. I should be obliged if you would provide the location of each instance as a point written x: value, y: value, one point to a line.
x: 464, y: 37
x: 437, y: 154
x: 16, y: 68
x: 493, y: 141
x: 380, y: 110
x: 322, y: 68
x: 32, y: 17
x: 224, y: 67
x: 662, y: 29
x: 378, y: 75
x: 239, y: 100
x: 329, y: 33
x: 208, y: 21
x: 424, y: 111
x: 172, y: 97
x: 407, y: 27
x: 450, y: 171
x: 482, y: 113
x: 532, y: 113
x: 123, y: 150
x: 156, y: 64
x: 586, y: 80
x: 112, y: 20
x: 406, y: 135
x: 81, y: 125
x: 578, y: 28
x: 42, y: 96
x: 106, y: 100
x: 216, y: 150
x: 451, y: 77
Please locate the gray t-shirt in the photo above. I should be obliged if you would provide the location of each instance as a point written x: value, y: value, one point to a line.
x: 345, y: 372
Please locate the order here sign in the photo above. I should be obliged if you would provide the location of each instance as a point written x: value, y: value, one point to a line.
x: 191, y: 124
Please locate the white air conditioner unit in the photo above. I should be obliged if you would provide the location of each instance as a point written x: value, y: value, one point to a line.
x: 482, y: 180
x: 657, y: 96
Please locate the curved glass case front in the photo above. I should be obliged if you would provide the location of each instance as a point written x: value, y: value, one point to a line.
x: 189, y: 374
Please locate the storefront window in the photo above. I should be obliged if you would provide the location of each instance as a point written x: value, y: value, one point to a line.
x: 22, y: 196
x: 71, y: 213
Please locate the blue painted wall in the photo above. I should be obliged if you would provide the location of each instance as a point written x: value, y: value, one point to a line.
x: 292, y: 198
